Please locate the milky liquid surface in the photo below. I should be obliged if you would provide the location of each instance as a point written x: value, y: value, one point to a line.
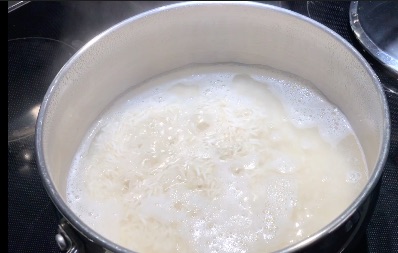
x: 221, y: 158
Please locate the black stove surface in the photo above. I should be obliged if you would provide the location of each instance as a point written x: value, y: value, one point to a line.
x: 42, y: 36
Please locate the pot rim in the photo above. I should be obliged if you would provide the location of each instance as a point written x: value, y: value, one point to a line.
x: 93, y: 236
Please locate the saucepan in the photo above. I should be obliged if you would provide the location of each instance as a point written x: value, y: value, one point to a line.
x: 174, y: 36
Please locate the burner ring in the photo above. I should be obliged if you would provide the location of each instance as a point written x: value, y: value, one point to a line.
x: 31, y: 69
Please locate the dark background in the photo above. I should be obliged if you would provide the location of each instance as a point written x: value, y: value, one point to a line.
x: 42, y: 36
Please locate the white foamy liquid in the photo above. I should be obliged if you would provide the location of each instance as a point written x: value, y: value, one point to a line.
x: 221, y: 158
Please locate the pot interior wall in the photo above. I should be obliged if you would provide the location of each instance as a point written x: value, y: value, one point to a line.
x: 143, y: 47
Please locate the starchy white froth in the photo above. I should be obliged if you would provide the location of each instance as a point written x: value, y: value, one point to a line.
x: 218, y: 158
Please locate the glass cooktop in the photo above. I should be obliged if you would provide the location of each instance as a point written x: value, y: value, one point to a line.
x: 43, y: 35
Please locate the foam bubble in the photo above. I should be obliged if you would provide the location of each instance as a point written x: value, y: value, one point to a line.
x: 353, y: 176
x: 283, y: 164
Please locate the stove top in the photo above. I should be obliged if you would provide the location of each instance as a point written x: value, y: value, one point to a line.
x: 42, y: 36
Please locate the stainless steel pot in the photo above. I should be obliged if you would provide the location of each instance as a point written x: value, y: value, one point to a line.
x: 209, y: 32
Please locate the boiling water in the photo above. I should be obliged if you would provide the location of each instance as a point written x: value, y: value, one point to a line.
x: 221, y: 158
